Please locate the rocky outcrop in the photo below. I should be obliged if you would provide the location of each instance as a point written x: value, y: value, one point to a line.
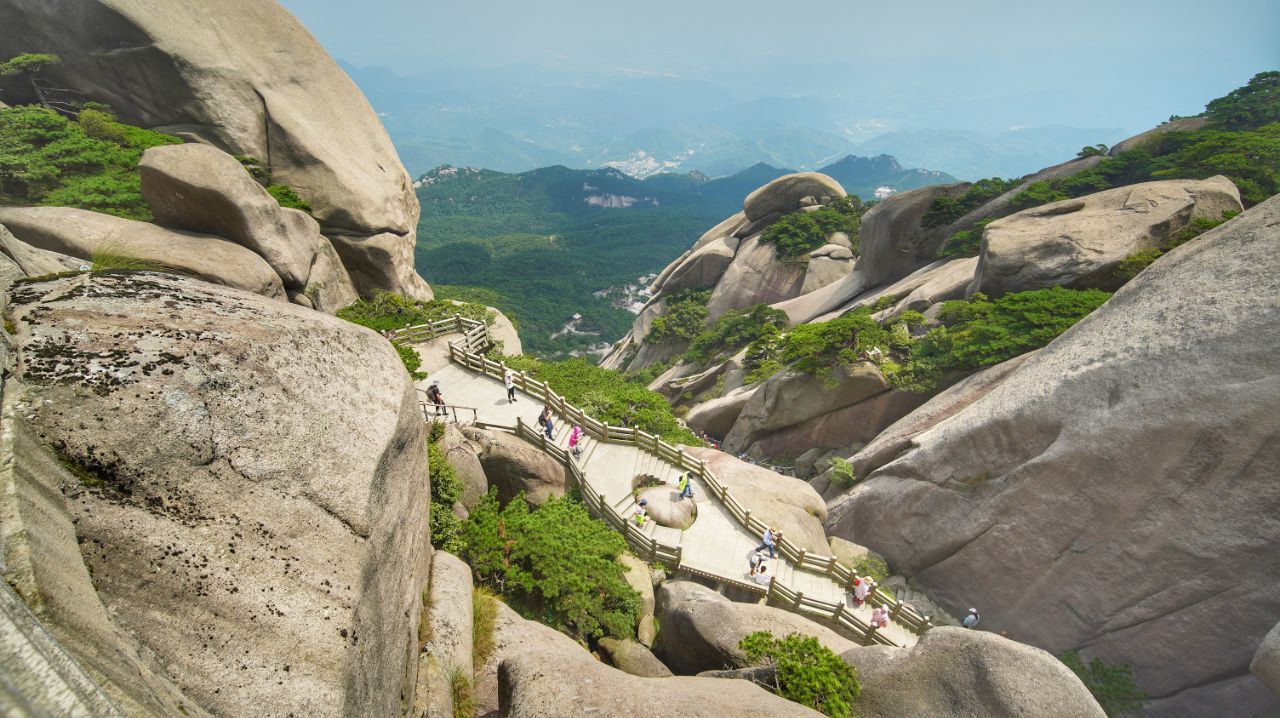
x: 631, y: 657
x: 1266, y: 662
x: 24, y: 260
x: 1081, y: 242
x: 640, y: 581
x: 513, y: 467
x: 784, y: 194
x: 703, y: 267
x: 251, y: 479
x: 717, y: 416
x: 959, y: 672
x: 246, y: 77
x: 464, y: 457
x: 827, y: 264
x: 894, y: 242
x: 701, y: 629
x: 790, y: 505
x: 756, y: 276
x: 448, y: 642
x: 84, y: 234
x: 1182, y: 124
x: 1088, y: 486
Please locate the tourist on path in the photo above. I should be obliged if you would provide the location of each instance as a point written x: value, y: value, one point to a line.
x: 575, y: 442
x: 548, y: 426
x: 761, y: 576
x: 509, y: 379
x: 433, y: 393
x: 879, y: 619
x: 770, y: 542
x: 971, y: 620
x: 685, y: 485
x: 862, y: 587
x: 756, y: 561
x: 641, y: 515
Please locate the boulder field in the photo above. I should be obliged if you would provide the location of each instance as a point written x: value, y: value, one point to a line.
x: 1115, y: 492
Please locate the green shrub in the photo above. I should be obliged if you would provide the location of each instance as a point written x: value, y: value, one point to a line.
x: 412, y: 362
x: 392, y: 311
x: 842, y: 474
x: 554, y: 564
x: 27, y: 63
x: 885, y: 302
x: 806, y: 671
x: 1249, y: 107
x: 1098, y: 150
x: 874, y: 566
x: 1111, y: 686
x: 815, y: 347
x: 446, y: 529
x: 484, y: 618
x: 799, y: 233
x: 964, y: 243
x: 683, y: 317
x: 733, y: 331
x: 1136, y: 262
x: 286, y: 197
x: 607, y: 395
x: 945, y: 210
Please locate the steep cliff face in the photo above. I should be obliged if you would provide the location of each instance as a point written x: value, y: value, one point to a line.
x: 1116, y: 492
x: 246, y: 77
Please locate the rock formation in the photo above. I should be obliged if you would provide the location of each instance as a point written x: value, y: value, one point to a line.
x: 1077, y: 500
x: 244, y: 477
x: 514, y: 466
x: 448, y: 642
x: 246, y: 77
x: 788, y: 504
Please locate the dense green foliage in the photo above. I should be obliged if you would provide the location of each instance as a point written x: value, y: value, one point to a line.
x: 980, y: 332
x: 1254, y: 105
x: 91, y: 163
x: 286, y: 197
x: 554, y: 564
x: 843, y: 475
x: 807, y: 672
x: 1099, y: 150
x: 446, y: 529
x: 799, y: 233
x: 607, y: 395
x: 945, y: 210
x: 816, y: 347
x: 1133, y: 264
x: 733, y: 331
x: 392, y: 311
x: 964, y: 243
x: 683, y: 317
x: 1111, y: 686
x: 26, y: 63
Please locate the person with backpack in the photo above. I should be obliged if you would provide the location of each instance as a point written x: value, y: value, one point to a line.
x: 685, y: 485
x: 509, y: 380
x: 433, y: 393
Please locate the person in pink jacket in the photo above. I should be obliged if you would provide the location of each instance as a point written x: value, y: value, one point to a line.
x: 575, y: 441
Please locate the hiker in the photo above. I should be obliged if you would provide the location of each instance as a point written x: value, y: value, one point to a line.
x: 761, y: 576
x: 544, y: 420
x: 755, y: 562
x: 879, y: 619
x: 685, y: 486
x: 769, y: 542
x: 509, y: 379
x: 862, y: 587
x: 433, y: 393
x: 641, y: 515
x: 972, y: 619
x: 575, y: 442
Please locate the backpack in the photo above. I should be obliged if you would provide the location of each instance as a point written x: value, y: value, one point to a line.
x: 434, y: 392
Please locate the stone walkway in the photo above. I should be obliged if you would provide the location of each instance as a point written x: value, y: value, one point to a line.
x: 715, y: 544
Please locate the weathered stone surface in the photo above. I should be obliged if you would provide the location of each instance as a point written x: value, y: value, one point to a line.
x: 329, y: 286
x: 81, y: 233
x: 756, y: 276
x: 790, y: 505
x: 512, y: 636
x: 827, y: 269
x: 255, y: 468
x: 639, y: 579
x: 893, y: 241
x: 449, y: 630
x: 959, y: 672
x: 783, y: 194
x: 851, y: 554
x: 999, y: 206
x: 1266, y: 662
x: 381, y: 261
x: 666, y: 508
x: 513, y: 466
x: 1080, y: 242
x: 947, y: 281
x: 847, y: 426
x: 834, y: 251
x: 202, y: 189
x: 32, y: 261
x: 504, y: 331
x: 703, y: 267
x: 725, y: 229
x: 464, y: 457
x: 1135, y: 453
x: 790, y: 397
x: 820, y: 302
x: 891, y: 442
x: 242, y: 75
x: 634, y: 658
x: 1182, y: 124
x: 716, y: 417
x: 701, y: 629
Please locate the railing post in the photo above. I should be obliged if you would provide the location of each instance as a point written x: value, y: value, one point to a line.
x: 831, y: 566
x: 839, y: 611
x: 897, y: 608
x: 768, y: 596
x: 799, y: 563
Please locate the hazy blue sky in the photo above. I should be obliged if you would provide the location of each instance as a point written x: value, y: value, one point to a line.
x: 1089, y: 63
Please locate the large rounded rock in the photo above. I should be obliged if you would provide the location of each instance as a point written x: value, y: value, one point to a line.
x: 666, y: 508
x: 717, y: 416
x: 380, y: 261
x: 1136, y: 452
x: 959, y: 672
x: 464, y: 457
x: 640, y: 581
x: 791, y: 397
x: 1080, y: 242
x: 783, y: 195
x: 703, y: 267
x: 790, y: 505
x: 631, y: 657
x: 252, y: 481
x: 449, y: 635
x: 756, y: 276
x: 827, y: 268
x: 1266, y: 662
x: 244, y: 76
x: 1182, y: 124
x: 84, y: 234
x: 892, y: 238
x: 513, y: 466
x: 701, y: 629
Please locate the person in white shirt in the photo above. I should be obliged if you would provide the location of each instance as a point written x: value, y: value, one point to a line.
x: 509, y: 379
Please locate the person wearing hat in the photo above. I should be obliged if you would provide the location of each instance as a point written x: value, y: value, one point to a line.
x: 972, y: 619
x: 433, y: 393
x: 641, y: 515
x: 769, y: 542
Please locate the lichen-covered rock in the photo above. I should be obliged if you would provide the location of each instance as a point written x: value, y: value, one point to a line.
x: 959, y: 672
x: 1081, y: 242
x: 84, y: 234
x: 788, y: 504
x: 252, y: 481
x: 701, y: 629
x: 1117, y: 490
x: 783, y: 195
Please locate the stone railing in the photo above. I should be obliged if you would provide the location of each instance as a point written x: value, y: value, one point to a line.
x: 467, y: 351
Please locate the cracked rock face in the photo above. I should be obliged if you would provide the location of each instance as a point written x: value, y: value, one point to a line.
x: 253, y: 495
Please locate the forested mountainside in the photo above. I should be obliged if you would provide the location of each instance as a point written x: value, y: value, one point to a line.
x: 542, y: 245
